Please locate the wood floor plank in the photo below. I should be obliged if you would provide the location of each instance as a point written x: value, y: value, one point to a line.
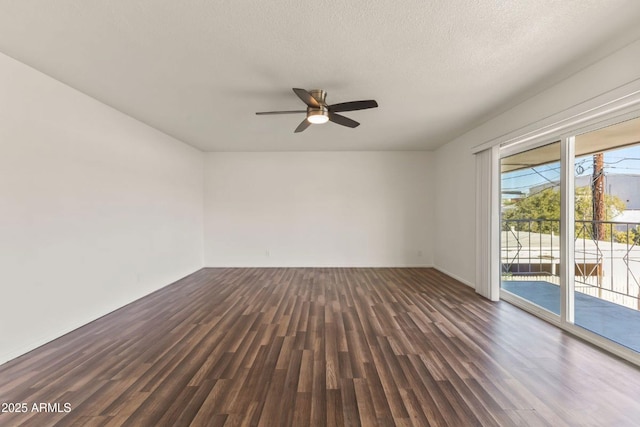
x: 316, y: 347
x: 302, y: 409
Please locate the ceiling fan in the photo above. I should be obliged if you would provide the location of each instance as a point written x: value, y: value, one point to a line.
x: 319, y: 112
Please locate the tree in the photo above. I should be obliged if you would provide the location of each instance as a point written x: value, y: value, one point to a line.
x: 542, y: 212
x: 584, y: 212
x: 630, y: 236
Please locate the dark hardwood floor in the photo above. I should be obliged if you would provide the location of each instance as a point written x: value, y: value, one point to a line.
x: 316, y: 347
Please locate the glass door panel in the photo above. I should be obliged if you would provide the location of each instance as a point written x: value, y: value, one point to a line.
x: 530, y: 226
x: 607, y: 232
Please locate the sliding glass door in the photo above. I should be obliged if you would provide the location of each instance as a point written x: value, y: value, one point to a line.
x: 570, y: 232
x: 530, y: 226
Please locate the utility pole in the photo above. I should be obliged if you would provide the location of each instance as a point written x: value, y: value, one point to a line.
x: 597, y: 197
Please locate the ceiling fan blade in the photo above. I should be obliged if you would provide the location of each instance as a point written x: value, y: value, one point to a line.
x: 302, y: 126
x: 342, y: 120
x: 306, y: 97
x: 262, y: 113
x: 353, y: 105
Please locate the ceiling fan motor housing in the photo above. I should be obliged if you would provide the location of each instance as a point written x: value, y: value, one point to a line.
x: 319, y: 95
x: 320, y: 114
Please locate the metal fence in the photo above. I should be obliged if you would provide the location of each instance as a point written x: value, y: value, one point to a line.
x: 607, y: 267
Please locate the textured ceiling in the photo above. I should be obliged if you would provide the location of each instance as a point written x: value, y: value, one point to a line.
x: 199, y: 69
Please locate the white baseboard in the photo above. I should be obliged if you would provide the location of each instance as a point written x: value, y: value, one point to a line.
x: 45, y: 339
x: 456, y: 277
x: 322, y: 266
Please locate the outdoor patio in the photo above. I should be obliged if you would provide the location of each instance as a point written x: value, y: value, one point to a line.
x: 610, y: 320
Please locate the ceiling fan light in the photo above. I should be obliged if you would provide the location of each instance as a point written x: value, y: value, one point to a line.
x: 317, y: 117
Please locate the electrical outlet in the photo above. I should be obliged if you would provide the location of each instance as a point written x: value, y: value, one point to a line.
x: 419, y: 253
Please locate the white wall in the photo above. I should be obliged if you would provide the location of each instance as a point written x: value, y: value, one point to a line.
x: 318, y: 209
x: 454, y: 237
x: 96, y: 209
